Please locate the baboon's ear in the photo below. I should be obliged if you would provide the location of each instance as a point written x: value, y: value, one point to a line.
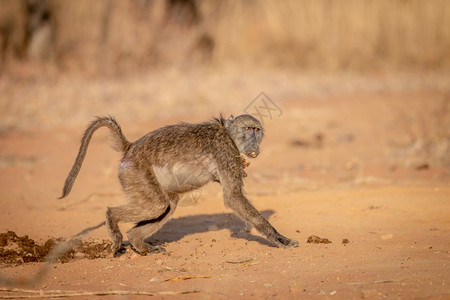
x: 231, y: 118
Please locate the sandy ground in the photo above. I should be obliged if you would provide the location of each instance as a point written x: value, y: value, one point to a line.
x: 367, y: 166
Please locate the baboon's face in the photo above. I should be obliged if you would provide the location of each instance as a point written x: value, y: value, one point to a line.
x: 246, y: 132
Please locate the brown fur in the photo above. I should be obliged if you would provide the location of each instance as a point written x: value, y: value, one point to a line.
x: 176, y: 159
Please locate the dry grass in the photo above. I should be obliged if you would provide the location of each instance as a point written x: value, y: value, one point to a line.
x: 120, y: 36
x: 424, y: 131
x: 335, y: 34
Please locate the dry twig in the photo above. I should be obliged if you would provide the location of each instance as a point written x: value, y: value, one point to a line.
x: 181, y: 278
x: 63, y: 293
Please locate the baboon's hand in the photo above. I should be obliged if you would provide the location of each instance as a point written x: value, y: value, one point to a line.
x: 284, y: 242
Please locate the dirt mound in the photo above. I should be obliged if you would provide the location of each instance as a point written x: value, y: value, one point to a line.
x: 16, y: 249
x: 318, y: 240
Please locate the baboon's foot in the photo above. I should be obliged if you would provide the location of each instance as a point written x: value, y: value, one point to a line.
x: 284, y: 242
x: 121, y: 250
x: 144, y: 248
x: 291, y: 244
x: 116, y: 238
x: 149, y: 249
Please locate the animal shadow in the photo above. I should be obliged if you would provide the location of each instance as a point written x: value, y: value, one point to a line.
x: 178, y: 228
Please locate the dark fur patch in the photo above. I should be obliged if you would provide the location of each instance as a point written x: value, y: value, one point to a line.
x: 156, y: 220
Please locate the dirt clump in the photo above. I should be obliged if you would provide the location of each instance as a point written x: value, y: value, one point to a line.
x: 16, y: 249
x: 92, y: 249
x: 21, y: 249
x: 314, y: 239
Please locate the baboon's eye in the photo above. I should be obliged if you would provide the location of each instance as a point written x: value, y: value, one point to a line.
x: 255, y: 128
x: 247, y: 128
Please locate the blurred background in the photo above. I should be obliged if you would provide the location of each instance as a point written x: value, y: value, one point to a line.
x: 109, y: 37
x: 160, y: 61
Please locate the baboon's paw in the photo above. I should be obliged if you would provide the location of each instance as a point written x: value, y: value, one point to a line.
x: 148, y: 249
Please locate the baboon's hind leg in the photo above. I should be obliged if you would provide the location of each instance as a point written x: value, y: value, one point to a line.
x: 146, y: 228
x: 147, y: 223
x: 123, y: 213
x: 148, y: 205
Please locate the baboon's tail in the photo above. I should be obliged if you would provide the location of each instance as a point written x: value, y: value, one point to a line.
x: 120, y: 144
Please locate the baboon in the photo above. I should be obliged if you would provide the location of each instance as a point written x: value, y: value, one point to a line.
x: 177, y: 159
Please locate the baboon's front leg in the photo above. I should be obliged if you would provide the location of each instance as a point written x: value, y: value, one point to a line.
x: 246, y: 211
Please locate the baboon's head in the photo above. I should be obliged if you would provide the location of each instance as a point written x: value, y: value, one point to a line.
x: 246, y: 132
